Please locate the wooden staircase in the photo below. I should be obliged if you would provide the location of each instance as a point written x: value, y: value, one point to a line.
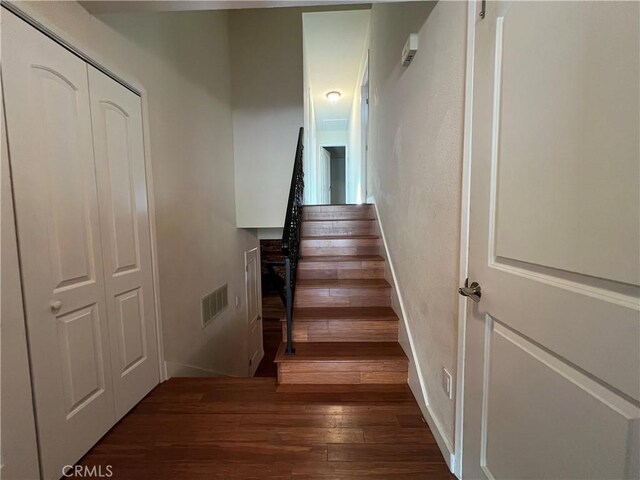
x: 344, y: 329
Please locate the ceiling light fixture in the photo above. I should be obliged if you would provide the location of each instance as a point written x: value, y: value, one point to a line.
x: 333, y: 96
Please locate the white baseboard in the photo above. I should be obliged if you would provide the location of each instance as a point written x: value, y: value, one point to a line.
x: 416, y: 379
x: 175, y: 369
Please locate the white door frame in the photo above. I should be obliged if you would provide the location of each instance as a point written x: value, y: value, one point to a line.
x: 346, y: 163
x: 42, y: 24
x: 364, y: 131
x: 253, y: 368
x: 464, y: 233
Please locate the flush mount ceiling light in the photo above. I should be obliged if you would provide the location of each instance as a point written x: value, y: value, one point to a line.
x: 333, y: 96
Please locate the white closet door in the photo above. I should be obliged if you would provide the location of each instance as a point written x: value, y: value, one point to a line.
x: 51, y: 153
x: 124, y: 215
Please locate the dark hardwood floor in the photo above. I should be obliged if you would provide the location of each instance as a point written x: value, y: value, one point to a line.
x: 250, y: 428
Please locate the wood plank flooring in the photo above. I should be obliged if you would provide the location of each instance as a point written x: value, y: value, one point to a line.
x: 251, y: 428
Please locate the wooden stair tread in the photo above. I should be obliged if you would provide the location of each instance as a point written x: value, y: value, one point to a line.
x: 382, y: 314
x: 343, y: 258
x: 341, y: 352
x: 347, y: 220
x: 327, y: 388
x: 342, y: 283
x: 339, y: 237
x: 338, y: 206
x: 338, y: 212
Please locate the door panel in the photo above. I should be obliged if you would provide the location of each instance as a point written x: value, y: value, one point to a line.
x: 121, y: 210
x: 119, y: 153
x: 254, y: 309
x: 580, y: 82
x: 530, y: 421
x: 553, y: 348
x: 81, y: 357
x: 130, y: 323
x: 51, y: 153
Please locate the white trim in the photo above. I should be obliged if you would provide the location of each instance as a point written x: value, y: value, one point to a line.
x: 175, y: 369
x: 151, y: 206
x: 346, y: 170
x: 252, y: 368
x: 59, y: 35
x: 464, y: 234
x: 423, y: 399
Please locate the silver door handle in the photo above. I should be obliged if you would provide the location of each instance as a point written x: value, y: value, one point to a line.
x: 55, y: 305
x: 473, y: 291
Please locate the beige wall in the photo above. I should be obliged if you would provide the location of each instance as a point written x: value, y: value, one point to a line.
x: 268, y: 110
x: 190, y: 122
x: 414, y: 173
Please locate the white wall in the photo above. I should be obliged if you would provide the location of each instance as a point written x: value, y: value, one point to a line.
x: 190, y: 120
x: 414, y: 173
x: 356, y: 187
x: 268, y: 110
x: 332, y: 138
x: 355, y: 183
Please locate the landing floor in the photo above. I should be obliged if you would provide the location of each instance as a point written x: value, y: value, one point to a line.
x: 228, y: 428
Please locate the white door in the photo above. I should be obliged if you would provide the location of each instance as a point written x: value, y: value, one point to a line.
x: 552, y: 368
x: 252, y: 279
x: 325, y: 176
x: 119, y: 155
x: 51, y: 153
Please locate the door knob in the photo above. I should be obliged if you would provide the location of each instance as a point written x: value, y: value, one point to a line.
x: 55, y: 305
x: 473, y: 291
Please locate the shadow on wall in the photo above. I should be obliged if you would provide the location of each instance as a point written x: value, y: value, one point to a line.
x: 159, y: 35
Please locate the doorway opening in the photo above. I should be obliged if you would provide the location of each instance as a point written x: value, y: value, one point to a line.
x: 335, y: 62
x: 337, y: 175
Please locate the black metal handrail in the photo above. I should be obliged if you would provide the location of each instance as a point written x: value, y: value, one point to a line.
x: 291, y: 236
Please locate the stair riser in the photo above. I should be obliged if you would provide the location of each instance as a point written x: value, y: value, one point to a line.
x: 345, y: 246
x: 344, y: 372
x: 341, y: 270
x: 334, y: 212
x: 333, y: 228
x: 343, y: 297
x: 342, y: 331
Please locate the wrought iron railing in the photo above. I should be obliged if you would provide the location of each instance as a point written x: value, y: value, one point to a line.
x: 291, y: 237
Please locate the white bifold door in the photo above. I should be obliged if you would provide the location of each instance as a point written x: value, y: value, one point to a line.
x: 552, y: 367
x: 78, y: 172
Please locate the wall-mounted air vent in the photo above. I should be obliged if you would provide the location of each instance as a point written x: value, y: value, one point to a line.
x: 214, y: 303
x: 410, y: 49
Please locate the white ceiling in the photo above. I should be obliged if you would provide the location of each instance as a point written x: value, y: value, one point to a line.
x: 98, y: 7
x: 335, y: 44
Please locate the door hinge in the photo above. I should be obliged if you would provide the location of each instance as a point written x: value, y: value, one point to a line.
x: 483, y: 6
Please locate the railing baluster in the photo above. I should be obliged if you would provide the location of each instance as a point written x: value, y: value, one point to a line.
x: 291, y: 236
